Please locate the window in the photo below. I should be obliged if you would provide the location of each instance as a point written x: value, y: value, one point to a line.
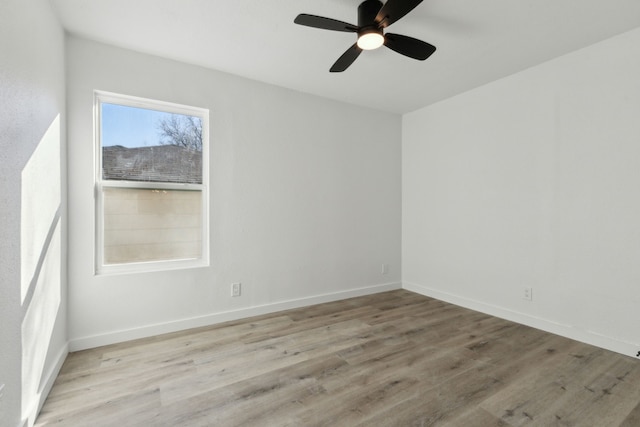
x: 151, y: 184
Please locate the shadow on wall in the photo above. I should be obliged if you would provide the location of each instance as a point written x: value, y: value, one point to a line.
x: 41, y: 262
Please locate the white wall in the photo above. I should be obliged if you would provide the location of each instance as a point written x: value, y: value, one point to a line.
x: 533, y: 181
x: 305, y: 200
x: 33, y: 341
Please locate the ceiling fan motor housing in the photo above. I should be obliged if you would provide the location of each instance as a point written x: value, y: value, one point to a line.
x: 367, y: 12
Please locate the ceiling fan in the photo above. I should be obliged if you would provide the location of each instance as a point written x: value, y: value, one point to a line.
x: 373, y: 18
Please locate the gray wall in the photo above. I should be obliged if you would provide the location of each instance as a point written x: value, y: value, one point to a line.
x: 33, y: 340
x: 533, y: 181
x: 304, y: 200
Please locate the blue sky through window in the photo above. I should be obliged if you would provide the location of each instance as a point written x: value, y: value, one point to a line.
x: 130, y: 126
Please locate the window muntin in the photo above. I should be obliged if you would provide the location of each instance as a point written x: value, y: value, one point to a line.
x: 151, y: 188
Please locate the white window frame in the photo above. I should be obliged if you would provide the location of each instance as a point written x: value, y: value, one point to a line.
x: 100, y: 184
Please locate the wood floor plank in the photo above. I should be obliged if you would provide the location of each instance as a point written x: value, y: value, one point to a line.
x: 390, y: 359
x: 633, y: 418
x: 478, y: 417
x: 578, y: 385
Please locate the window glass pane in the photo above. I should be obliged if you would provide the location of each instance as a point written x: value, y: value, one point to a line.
x: 151, y: 225
x: 140, y: 144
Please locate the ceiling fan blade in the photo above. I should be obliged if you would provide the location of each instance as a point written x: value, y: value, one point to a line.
x: 394, y: 10
x: 324, y: 23
x: 346, y: 59
x: 408, y: 46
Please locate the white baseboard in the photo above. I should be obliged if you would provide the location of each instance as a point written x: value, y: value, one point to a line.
x: 84, y: 343
x: 51, y: 376
x: 45, y: 387
x: 568, y: 331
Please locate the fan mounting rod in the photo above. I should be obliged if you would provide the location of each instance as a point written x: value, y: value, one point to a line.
x: 367, y: 12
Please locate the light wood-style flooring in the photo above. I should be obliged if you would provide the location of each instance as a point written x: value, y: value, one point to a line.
x: 390, y: 359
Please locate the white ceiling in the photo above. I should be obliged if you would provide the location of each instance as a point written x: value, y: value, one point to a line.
x: 477, y: 41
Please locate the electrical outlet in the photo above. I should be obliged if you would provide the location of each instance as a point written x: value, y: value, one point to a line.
x: 528, y: 294
x: 236, y: 289
x: 385, y: 269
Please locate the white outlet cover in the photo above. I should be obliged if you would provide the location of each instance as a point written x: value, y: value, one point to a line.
x: 236, y: 289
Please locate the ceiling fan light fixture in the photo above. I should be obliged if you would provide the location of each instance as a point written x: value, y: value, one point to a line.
x: 373, y: 17
x: 370, y: 40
